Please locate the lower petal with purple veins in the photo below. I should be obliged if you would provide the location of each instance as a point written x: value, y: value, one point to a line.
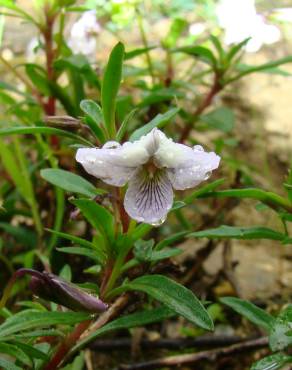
x: 149, y: 196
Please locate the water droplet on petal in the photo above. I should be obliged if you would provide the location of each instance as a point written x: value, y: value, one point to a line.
x: 159, y: 222
x: 207, y: 175
x: 90, y: 159
x: 111, y: 145
x: 198, y: 148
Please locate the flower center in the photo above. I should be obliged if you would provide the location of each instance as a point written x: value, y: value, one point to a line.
x: 151, y: 168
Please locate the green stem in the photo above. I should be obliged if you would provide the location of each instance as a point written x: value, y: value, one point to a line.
x: 59, y: 194
x: 146, y: 45
x: 26, y: 178
x: 117, y: 270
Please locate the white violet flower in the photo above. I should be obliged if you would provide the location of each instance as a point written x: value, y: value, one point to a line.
x: 83, y: 34
x: 240, y: 20
x: 153, y: 166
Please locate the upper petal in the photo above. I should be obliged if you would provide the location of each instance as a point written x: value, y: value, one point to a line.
x: 196, y: 171
x: 148, y: 199
x: 114, y: 166
x: 170, y: 154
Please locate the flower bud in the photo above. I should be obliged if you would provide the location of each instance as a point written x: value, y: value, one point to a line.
x: 53, y: 288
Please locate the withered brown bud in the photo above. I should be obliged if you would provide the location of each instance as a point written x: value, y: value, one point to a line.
x: 55, y: 289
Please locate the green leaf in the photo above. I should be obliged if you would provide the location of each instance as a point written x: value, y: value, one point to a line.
x: 141, y: 318
x: 32, y: 351
x: 82, y: 252
x: 281, y: 331
x: 69, y: 181
x: 38, y: 77
x: 94, y: 113
x: 247, y: 309
x: 110, y: 87
x: 143, y: 250
x: 30, y: 319
x: 98, y: 217
x: 22, y: 234
x: 176, y: 29
x: 136, y: 52
x: 159, y: 121
x: 271, y: 199
x: 72, y: 238
x: 160, y: 95
x: 236, y: 49
x: 260, y: 68
x: 43, y: 130
x: 170, y: 240
x: 202, y: 53
x: 218, y: 46
x: 220, y: 119
x: 166, y: 253
x: 174, y: 296
x: 234, y: 232
x: 16, y: 352
x: 8, y: 365
x: 124, y: 126
x: 203, y: 190
x: 273, y: 362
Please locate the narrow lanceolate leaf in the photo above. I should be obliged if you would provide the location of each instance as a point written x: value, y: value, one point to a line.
x: 43, y: 130
x: 202, y: 53
x: 73, y: 239
x: 30, y: 319
x: 129, y: 321
x: 273, y: 362
x: 175, y: 296
x: 69, y: 181
x: 8, y: 365
x: 94, y: 118
x: 124, y: 126
x: 110, y: 87
x: 247, y: 309
x: 234, y: 232
x: 159, y: 121
x: 98, y: 217
x: 271, y: 199
x: 82, y: 252
x: 16, y: 352
x: 261, y: 67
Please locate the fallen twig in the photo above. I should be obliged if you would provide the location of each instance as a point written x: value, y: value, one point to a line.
x: 167, y: 343
x: 210, y: 355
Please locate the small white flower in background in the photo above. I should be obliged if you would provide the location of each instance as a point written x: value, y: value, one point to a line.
x: 153, y: 166
x: 283, y: 14
x: 240, y: 20
x: 83, y: 34
x: 196, y: 29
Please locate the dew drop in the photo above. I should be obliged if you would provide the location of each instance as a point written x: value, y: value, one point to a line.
x: 207, y: 175
x: 90, y: 159
x: 111, y: 145
x: 159, y: 222
x: 198, y: 148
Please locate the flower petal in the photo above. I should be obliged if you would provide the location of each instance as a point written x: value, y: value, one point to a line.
x: 149, y: 198
x: 198, y: 170
x: 170, y: 154
x: 112, y: 164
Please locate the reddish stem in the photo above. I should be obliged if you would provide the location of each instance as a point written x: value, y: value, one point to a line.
x: 216, y: 87
x: 66, y: 345
x: 50, y: 105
